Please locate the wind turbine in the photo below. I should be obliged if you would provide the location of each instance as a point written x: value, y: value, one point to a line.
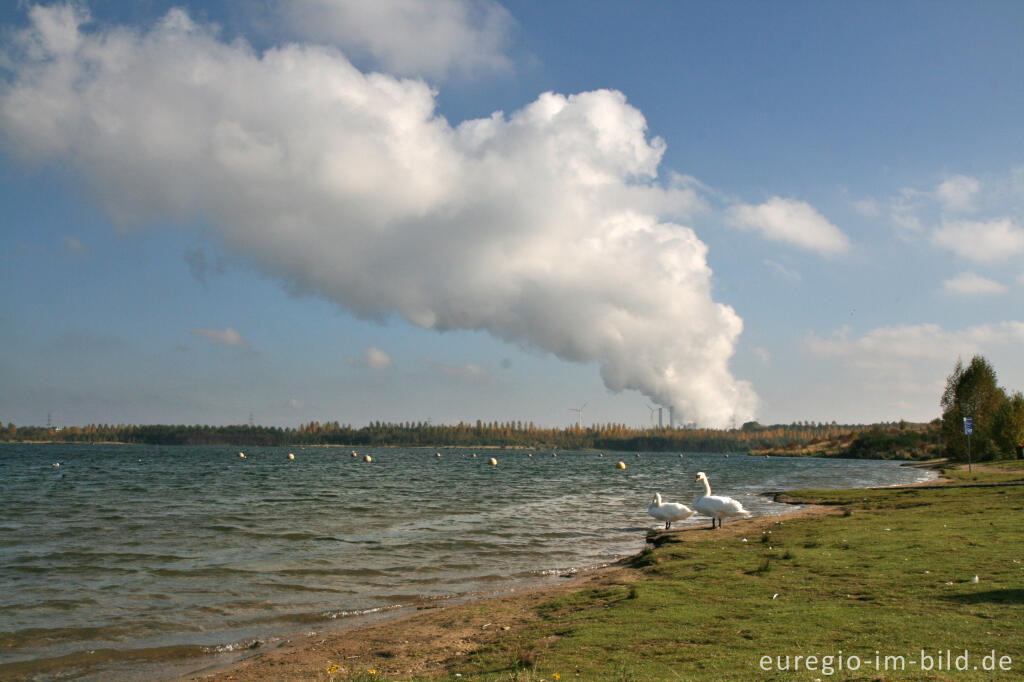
x: 579, y: 411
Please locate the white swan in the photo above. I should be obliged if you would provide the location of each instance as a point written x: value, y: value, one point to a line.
x: 668, y: 511
x: 716, y: 506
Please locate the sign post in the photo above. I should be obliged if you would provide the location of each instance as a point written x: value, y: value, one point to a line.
x: 968, y: 429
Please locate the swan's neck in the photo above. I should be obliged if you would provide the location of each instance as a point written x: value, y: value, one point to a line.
x: 707, y: 487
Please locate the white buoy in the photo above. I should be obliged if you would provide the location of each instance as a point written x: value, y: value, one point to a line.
x: 620, y: 465
x: 554, y: 454
x: 241, y: 455
x: 494, y: 462
x: 601, y: 454
x: 291, y: 455
x: 354, y: 454
x: 367, y: 458
x: 438, y: 454
x: 57, y: 464
x: 529, y: 454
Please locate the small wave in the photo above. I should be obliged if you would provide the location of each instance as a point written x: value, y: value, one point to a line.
x: 350, y: 541
x: 242, y: 645
x: 56, y: 604
x: 206, y: 571
x: 248, y: 532
x: 360, y: 612
x: 293, y: 587
x: 357, y: 572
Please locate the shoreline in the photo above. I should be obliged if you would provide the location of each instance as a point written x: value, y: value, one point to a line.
x: 407, y: 641
x: 837, y: 562
x: 425, y: 642
x: 428, y: 640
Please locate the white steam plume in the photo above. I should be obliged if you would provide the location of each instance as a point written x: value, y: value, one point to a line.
x: 541, y: 227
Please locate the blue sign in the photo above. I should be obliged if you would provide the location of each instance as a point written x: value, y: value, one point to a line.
x: 968, y: 425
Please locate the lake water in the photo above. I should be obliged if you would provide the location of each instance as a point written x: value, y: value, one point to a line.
x: 127, y: 560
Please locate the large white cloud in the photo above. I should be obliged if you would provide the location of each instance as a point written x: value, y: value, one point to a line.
x: 540, y: 227
x: 795, y: 222
x: 436, y: 39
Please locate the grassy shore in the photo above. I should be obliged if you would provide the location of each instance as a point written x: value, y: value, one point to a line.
x: 885, y: 576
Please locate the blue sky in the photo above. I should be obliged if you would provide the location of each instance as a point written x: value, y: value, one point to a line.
x: 311, y: 211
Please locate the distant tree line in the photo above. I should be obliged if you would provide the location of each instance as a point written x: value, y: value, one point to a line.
x: 997, y: 417
x: 750, y: 436
x: 971, y: 391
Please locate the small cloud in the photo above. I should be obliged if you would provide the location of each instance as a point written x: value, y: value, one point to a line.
x: 971, y: 284
x: 374, y: 358
x: 983, y: 242
x: 884, y: 346
x: 762, y: 354
x: 957, y: 193
x: 905, y: 213
x: 468, y: 371
x: 783, y: 271
x: 868, y: 208
x: 378, y: 359
x: 794, y: 222
x: 73, y: 244
x: 223, y: 337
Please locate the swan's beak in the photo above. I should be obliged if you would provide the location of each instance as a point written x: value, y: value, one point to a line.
x: 696, y: 479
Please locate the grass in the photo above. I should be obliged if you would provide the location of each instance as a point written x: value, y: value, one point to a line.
x: 888, y: 571
x: 1002, y: 471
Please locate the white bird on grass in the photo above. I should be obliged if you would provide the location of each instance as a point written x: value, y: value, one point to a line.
x: 716, y: 506
x: 669, y: 511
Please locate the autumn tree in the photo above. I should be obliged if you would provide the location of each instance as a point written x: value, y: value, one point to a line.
x: 1009, y: 426
x: 971, y: 392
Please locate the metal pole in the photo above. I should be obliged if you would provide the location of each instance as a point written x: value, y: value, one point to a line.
x: 968, y: 430
x: 970, y: 468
